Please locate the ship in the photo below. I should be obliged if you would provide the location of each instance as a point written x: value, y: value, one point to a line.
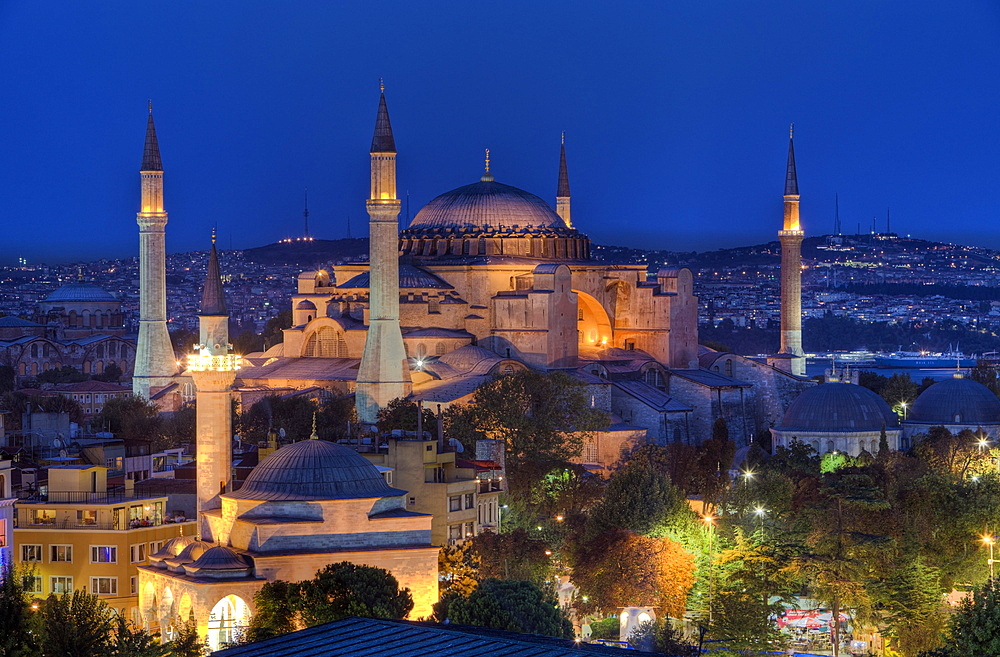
x: 924, y: 360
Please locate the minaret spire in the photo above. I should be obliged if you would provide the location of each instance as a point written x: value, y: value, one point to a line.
x: 155, y: 361
x: 562, y: 188
x: 305, y: 214
x: 384, y: 373
x: 213, y: 299
x: 791, y: 236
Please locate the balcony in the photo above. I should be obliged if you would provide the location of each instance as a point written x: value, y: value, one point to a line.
x: 82, y: 497
x: 26, y: 522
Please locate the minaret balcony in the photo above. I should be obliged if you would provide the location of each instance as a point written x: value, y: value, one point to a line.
x: 206, y: 362
x: 791, y: 233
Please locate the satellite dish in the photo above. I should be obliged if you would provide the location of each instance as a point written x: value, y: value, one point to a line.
x: 57, y: 443
x: 281, y: 433
x: 459, y: 447
x: 63, y: 453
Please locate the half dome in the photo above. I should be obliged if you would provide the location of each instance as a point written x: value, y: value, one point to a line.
x: 838, y: 407
x: 955, y: 401
x: 487, y: 205
x: 314, y: 470
x: 76, y: 292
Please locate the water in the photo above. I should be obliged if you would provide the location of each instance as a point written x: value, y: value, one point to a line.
x: 818, y: 366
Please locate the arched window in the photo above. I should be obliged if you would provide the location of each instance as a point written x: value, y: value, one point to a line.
x: 421, y: 351
x: 100, y: 351
x: 729, y: 367
x: 439, y: 349
x: 112, y: 349
x: 34, y: 350
x: 326, y: 342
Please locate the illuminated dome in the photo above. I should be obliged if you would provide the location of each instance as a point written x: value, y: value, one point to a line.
x: 955, y: 401
x: 314, y: 470
x: 838, y: 407
x: 487, y: 205
x: 77, y: 292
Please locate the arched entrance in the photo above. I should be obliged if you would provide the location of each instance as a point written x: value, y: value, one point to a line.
x: 229, y: 615
x: 593, y: 324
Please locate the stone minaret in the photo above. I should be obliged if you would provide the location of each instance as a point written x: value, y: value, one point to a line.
x: 562, y: 189
x: 384, y: 373
x: 154, y: 357
x: 213, y: 369
x: 791, y: 269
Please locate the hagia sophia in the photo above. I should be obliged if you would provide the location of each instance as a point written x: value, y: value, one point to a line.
x: 486, y: 280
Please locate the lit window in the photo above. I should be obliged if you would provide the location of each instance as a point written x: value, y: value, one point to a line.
x: 62, y: 553
x: 35, y: 584
x: 86, y: 517
x: 133, y: 585
x: 470, y: 529
x: 104, y: 585
x: 62, y: 585
x: 31, y: 553
x: 103, y: 554
x: 137, y: 552
x: 43, y: 517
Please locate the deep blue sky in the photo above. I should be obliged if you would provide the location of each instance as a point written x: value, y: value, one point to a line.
x: 676, y: 115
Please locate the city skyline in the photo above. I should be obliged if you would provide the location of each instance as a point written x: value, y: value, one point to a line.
x: 676, y: 118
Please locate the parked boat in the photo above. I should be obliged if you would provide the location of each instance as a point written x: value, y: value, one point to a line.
x: 924, y: 359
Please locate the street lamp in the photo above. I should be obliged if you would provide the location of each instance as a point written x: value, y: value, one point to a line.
x: 903, y: 405
x: 990, y: 540
x: 760, y: 512
x: 709, y: 523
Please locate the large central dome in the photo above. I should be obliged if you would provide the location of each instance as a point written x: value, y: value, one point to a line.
x: 487, y: 205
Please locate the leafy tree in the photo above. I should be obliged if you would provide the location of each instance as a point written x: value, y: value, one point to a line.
x: 64, y: 374
x: 75, y: 624
x: 910, y: 599
x: 513, y: 555
x: 659, y: 636
x: 898, y: 389
x: 295, y: 416
x: 513, y: 606
x: 18, y: 624
x: 273, y: 329
x: 542, y: 417
x: 338, y: 590
x: 179, y: 427
x: 187, y: 643
x: 112, y: 374
x: 275, y: 611
x: 715, y: 458
x: 127, y: 640
x: 248, y: 342
x: 617, y: 568
x: 458, y: 567
x: 183, y: 340
x: 975, y: 627
x: 955, y: 455
x: 640, y: 499
x: 402, y: 414
x: 131, y: 418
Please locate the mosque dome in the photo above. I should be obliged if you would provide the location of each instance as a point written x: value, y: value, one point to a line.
x: 220, y: 557
x: 838, y: 407
x: 174, y: 546
x: 314, y: 470
x: 79, y: 292
x: 955, y: 401
x: 305, y: 304
x: 487, y: 204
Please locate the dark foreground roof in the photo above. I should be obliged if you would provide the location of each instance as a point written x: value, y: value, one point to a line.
x: 368, y: 636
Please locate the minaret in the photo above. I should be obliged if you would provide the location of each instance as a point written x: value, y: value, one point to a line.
x: 562, y: 189
x: 154, y: 357
x: 791, y: 236
x: 213, y: 369
x: 305, y: 215
x: 384, y: 373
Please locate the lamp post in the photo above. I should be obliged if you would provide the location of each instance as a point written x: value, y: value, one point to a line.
x: 990, y: 540
x: 760, y: 512
x: 903, y: 405
x: 709, y: 523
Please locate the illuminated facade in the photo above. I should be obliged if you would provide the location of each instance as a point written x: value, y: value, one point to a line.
x: 154, y: 358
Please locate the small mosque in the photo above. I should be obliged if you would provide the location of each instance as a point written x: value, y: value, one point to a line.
x: 957, y: 404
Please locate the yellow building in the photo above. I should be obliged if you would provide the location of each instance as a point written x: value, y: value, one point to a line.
x: 79, y: 536
x: 437, y: 485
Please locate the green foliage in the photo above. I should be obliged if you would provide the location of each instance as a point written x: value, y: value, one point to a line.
x: 18, y: 623
x: 131, y: 418
x: 606, y: 628
x: 179, y: 427
x: 127, y: 640
x: 64, y: 374
x: 797, y: 461
x: 542, y: 418
x: 899, y: 389
x: 513, y: 555
x: 339, y: 590
x: 715, y: 458
x: 910, y: 602
x: 111, y: 374
x: 640, y: 499
x: 187, y: 643
x: 273, y: 329
x: 75, y: 624
x: 458, y: 569
x: 514, y: 606
x: 833, y: 461
x: 401, y: 414
x: 295, y: 416
x: 248, y: 342
x: 660, y: 636
x: 975, y: 627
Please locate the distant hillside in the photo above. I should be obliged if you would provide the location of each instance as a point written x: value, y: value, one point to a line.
x: 314, y: 253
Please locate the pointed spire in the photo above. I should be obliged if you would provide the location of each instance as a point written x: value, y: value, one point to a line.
x: 487, y: 176
x: 562, y: 189
x: 382, y: 141
x: 213, y: 298
x: 151, y: 152
x: 791, y: 179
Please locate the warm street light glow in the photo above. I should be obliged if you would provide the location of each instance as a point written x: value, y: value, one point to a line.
x: 748, y: 475
x: 708, y: 520
x: 760, y: 511
x: 559, y: 518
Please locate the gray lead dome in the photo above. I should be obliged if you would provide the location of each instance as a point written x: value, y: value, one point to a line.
x: 487, y: 205
x: 834, y: 407
x: 955, y: 401
x: 314, y: 470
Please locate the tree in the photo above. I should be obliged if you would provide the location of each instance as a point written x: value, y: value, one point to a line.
x: 18, y: 625
x: 127, y: 640
x: 187, y: 643
x: 910, y: 599
x: 64, y: 374
x: 975, y: 627
x: 338, y: 590
x: 75, y: 624
x: 458, y: 567
x: 542, y: 417
x: 131, y: 418
x: 112, y: 374
x: 658, y: 636
x: 715, y: 458
x: 640, y: 499
x: 402, y: 414
x: 513, y: 555
x: 900, y: 388
x: 7, y: 378
x: 513, y: 606
x: 618, y: 568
